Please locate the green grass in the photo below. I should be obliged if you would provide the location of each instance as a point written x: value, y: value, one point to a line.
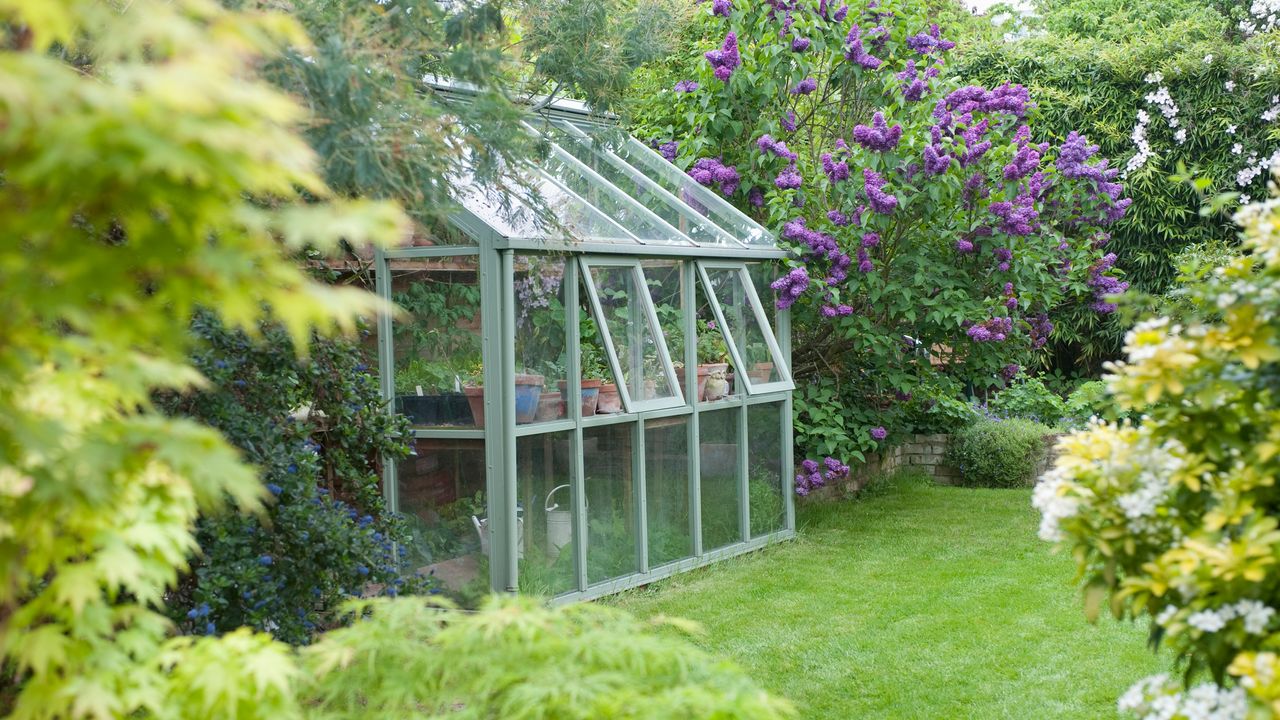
x: 913, y: 601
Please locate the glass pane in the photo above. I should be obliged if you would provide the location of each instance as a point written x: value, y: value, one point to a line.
x: 764, y: 481
x: 437, y: 341
x: 635, y: 340
x: 563, y: 214
x: 595, y: 154
x: 608, y: 199
x: 665, y: 279
x: 545, y: 525
x: 718, y: 453
x: 716, y: 377
x: 599, y: 387
x: 612, y: 549
x: 744, y: 327
x: 666, y: 470
x: 540, y: 338
x: 441, y: 489
x: 762, y: 274
x: 701, y: 200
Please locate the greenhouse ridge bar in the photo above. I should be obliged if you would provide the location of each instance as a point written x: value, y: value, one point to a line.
x: 597, y: 401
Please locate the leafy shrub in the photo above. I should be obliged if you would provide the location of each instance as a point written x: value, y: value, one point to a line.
x: 924, y: 244
x: 1027, y: 397
x: 998, y: 453
x: 517, y: 659
x: 1176, y: 517
x: 325, y: 534
x: 1090, y: 399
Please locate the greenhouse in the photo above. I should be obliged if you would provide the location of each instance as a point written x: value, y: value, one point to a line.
x: 645, y: 300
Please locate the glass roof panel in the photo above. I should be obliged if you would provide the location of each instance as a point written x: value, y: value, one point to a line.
x: 709, y: 204
x: 511, y: 217
x: 604, y: 187
x: 622, y: 209
x: 671, y: 209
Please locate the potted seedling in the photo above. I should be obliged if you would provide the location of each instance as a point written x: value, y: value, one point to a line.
x: 428, y: 394
x: 474, y: 390
x: 760, y: 363
x: 713, y: 363
x: 550, y: 404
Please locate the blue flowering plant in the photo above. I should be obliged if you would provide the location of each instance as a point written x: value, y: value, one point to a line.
x: 932, y: 229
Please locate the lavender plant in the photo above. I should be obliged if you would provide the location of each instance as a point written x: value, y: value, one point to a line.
x: 932, y: 230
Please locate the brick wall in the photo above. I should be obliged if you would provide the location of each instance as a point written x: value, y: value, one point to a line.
x: 926, y: 453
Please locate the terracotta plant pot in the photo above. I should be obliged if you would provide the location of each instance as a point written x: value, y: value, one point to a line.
x: 475, y: 398
x: 590, y: 396
x: 760, y: 372
x: 528, y: 391
x: 712, y: 388
x: 610, y: 401
x: 549, y: 407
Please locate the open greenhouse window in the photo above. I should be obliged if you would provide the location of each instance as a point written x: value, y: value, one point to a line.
x: 636, y: 350
x: 752, y: 343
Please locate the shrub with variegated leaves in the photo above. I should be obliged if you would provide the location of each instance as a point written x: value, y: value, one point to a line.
x: 1177, y: 518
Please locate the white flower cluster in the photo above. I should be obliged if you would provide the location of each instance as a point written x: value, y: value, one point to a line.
x: 1053, y: 505
x: 1255, y: 166
x: 1163, y: 102
x: 1253, y: 614
x: 1157, y: 698
x: 1155, y: 466
x: 1264, y: 17
x: 1139, y: 137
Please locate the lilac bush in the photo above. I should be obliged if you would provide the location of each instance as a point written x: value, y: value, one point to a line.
x: 933, y: 231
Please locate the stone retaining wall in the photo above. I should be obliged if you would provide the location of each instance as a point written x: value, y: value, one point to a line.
x: 926, y: 453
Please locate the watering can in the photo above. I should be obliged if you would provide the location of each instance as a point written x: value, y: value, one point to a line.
x: 559, y: 524
x: 482, y: 529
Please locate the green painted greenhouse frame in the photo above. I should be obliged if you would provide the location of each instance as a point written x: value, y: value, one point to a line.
x: 673, y: 461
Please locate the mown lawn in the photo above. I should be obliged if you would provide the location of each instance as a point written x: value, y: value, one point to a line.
x: 912, y: 601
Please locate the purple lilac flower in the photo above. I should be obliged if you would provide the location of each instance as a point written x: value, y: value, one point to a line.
x: 836, y: 470
x: 1072, y: 163
x: 726, y: 59
x: 788, y: 179
x: 805, y: 86
x: 1104, y: 285
x: 790, y: 287
x: 686, y: 86
x: 880, y: 201
x: 927, y: 43
x: 878, y: 137
x: 974, y: 190
x: 1010, y: 371
x: 879, y: 433
x: 855, y: 52
x: 1017, y: 217
x: 810, y: 466
x: 865, y: 265
x: 1040, y: 330
x: 975, y: 145
x: 914, y: 87
x: 935, y: 160
x: 1009, y: 99
x: 837, y: 218
x: 708, y: 171
x: 756, y: 197
x: 1024, y: 162
x: 964, y: 247
x: 789, y: 121
x: 996, y: 329
x: 721, y: 7
x: 668, y: 150
x: 799, y: 44
x: 841, y: 13
x: 870, y: 239
x: 768, y: 145
x: 836, y: 171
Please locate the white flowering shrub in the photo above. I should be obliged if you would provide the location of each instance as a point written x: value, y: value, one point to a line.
x: 1177, y: 518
